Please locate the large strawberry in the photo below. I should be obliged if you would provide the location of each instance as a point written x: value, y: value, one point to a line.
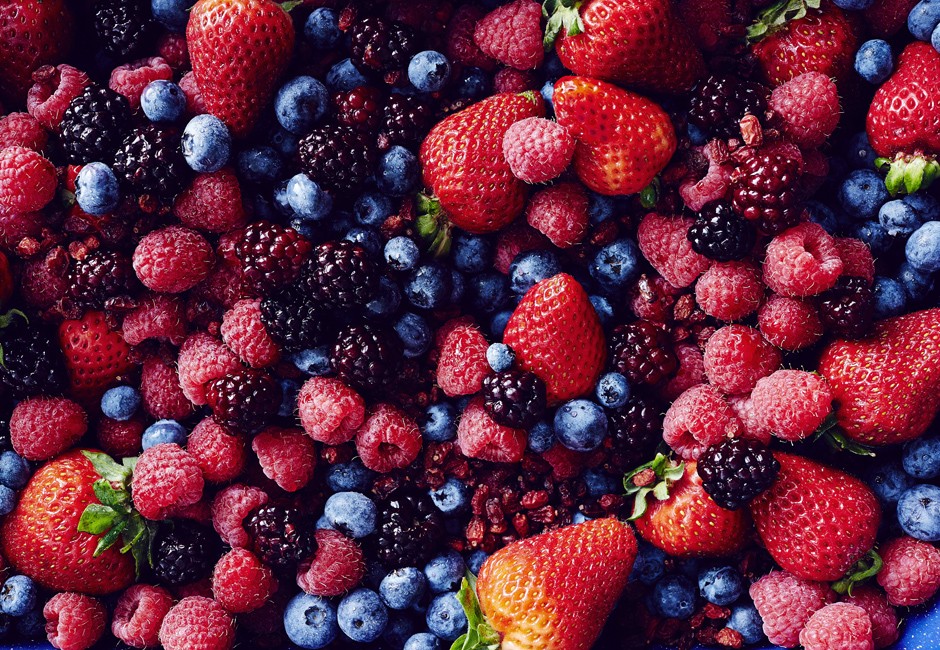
x: 816, y: 522
x: 239, y: 49
x: 95, y: 356
x: 887, y: 388
x: 463, y: 162
x: 623, y: 139
x: 902, y: 120
x: 32, y: 33
x: 550, y: 592
x: 556, y: 334
x: 638, y: 42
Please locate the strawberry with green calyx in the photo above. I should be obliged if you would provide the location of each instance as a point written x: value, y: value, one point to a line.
x: 863, y: 571
x: 830, y: 433
x: 654, y: 477
x: 433, y: 226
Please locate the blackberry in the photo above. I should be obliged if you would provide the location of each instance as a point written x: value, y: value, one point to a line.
x: 381, y: 45
x: 94, y: 125
x: 846, y: 309
x: 271, y: 254
x: 764, y: 189
x: 124, y: 28
x: 719, y: 103
x: 337, y: 157
x: 405, y: 120
x: 281, y: 537
x: 366, y: 356
x: 636, y: 429
x: 410, y: 529
x: 243, y: 400
x: 359, y: 108
x: 294, y: 320
x: 32, y: 359
x: 341, y: 275
x: 719, y: 234
x: 150, y: 163
x: 643, y: 353
x: 183, y: 552
x: 101, y: 276
x: 514, y: 398
x: 736, y: 470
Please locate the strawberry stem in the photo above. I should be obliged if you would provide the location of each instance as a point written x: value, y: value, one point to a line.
x: 433, y: 226
x: 561, y: 15
x: 865, y: 569
x: 908, y: 174
x: 480, y: 635
x: 290, y: 5
x: 666, y: 470
x: 777, y: 15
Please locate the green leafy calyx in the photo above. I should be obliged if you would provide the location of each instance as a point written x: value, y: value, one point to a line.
x: 664, y: 472
x: 433, y: 225
x: 908, y: 174
x: 864, y: 570
x: 561, y: 15
x: 778, y: 15
x: 480, y: 635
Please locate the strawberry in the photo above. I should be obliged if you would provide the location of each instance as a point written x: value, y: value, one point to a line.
x: 902, y: 120
x: 239, y: 49
x: 95, y: 356
x: 551, y: 592
x: 816, y: 522
x: 638, y: 42
x: 556, y: 334
x: 887, y: 388
x: 887, y: 17
x: 33, y: 33
x: 623, y: 139
x: 463, y: 162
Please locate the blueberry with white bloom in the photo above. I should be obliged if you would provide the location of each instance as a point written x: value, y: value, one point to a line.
x: 613, y: 390
x: 120, y: 403
x: 428, y: 71
x: 362, y: 616
x: 163, y: 431
x: 97, y: 190
x: 401, y: 253
x: 500, y: 357
x: 440, y: 422
x: 163, y: 101
x: 18, y: 595
x: 14, y: 470
x: 352, y: 513
x: 874, y: 61
x: 310, y: 621
x: 307, y: 199
x: 452, y: 497
x: 445, y: 572
x: 445, y: 617
x: 301, y: 103
x: 321, y: 29
x: 398, y: 171
x: 402, y: 588
x: 206, y: 143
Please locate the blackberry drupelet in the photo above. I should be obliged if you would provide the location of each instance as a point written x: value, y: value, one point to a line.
x: 243, y: 400
x: 101, y: 276
x: 381, y: 45
x: 410, y: 529
x: 846, y: 310
x: 340, y: 275
x: 359, y: 108
x: 338, y: 157
x: 94, y: 125
x: 514, y: 398
x: 719, y: 234
x: 150, y: 163
x: 294, y: 320
x: 183, y: 551
x: 736, y: 470
x: 271, y: 255
x: 405, y: 120
x: 636, y: 429
x: 32, y: 359
x: 5, y: 443
x: 764, y: 189
x: 719, y: 103
x: 366, y: 356
x: 124, y: 28
x: 643, y: 352
x: 281, y: 537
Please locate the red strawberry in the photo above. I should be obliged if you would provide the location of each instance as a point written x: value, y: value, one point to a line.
x: 239, y: 49
x: 623, y: 139
x: 33, y: 33
x: 556, y: 334
x: 887, y: 388
x: 816, y: 522
x: 464, y: 165
x: 710, y: 22
x: 95, y: 356
x: 886, y: 17
x: 637, y: 42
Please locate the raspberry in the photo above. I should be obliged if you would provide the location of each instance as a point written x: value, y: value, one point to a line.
x: 808, y: 106
x: 14, y: 227
x: 462, y: 364
x: 195, y: 104
x: 729, y: 291
x: 337, y: 567
x: 566, y: 463
x: 174, y: 50
x: 74, y: 621
x: 220, y: 455
x: 560, y: 212
x: 287, y: 456
x: 839, y: 626
x: 121, y: 439
x: 691, y: 371
x: 785, y: 603
x: 512, y: 34
x: 241, y: 583
x: 856, y: 257
x: 165, y: 477
x: 130, y: 79
x: 699, y: 418
x: 744, y: 409
x: 884, y: 620
x: 789, y: 323
x: 664, y: 242
x: 22, y: 130
x: 157, y: 316
x: 173, y: 259
x: 511, y: 80
x: 43, y: 427
x: 330, y: 411
x: 202, y: 359
x: 197, y: 623
x: 53, y: 90
x: 244, y: 333
x: 802, y: 261
x: 697, y: 193
x: 537, y: 150
x: 388, y: 440
x: 479, y: 436
x: 461, y: 47
x: 737, y: 356
x: 213, y: 202
x: 231, y: 507
x: 792, y: 404
x: 911, y: 572
x: 513, y: 240
x: 160, y: 391
x: 138, y: 614
x: 27, y: 180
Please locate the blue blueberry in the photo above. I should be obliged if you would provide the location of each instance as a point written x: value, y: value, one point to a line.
x: 7, y: 500
x: 423, y: 641
x: 400, y: 628
x: 429, y: 286
x: 923, y: 19
x: 17, y: 596
x: 473, y: 84
x: 445, y: 572
x: 862, y: 194
x: 890, y: 297
x: 415, y: 334
x: 599, y: 483
x: 917, y: 283
x: 613, y: 390
x: 746, y: 621
x: 541, y: 437
x: 579, y: 518
x: 547, y: 91
x: 172, y: 14
x: 14, y: 470
x: 458, y: 286
x: 310, y: 621
x: 402, y: 588
x: 603, y: 309
x: 368, y: 238
x: 875, y: 235
x: 821, y: 213
x: 206, y: 144
x: 919, y: 512
x: 387, y: 300
x: 580, y: 425
x: 650, y: 564
x: 921, y: 458
x: 97, y: 190
x: 362, y: 616
x: 858, y: 151
x: 372, y: 209
x: 323, y: 523
x: 674, y: 597
x: 440, y: 422
x: 301, y: 103
x: 899, y: 218
x: 616, y: 265
x: 445, y: 617
x: 531, y: 267
x: 935, y: 38
x: 697, y: 135
x: 307, y: 199
x: 260, y: 165
x: 721, y: 585
x: 428, y: 71
x: 923, y: 248
x: 352, y: 513
x: 163, y: 101
x: 853, y: 5
x: 489, y: 292
x: 398, y: 171
x: 926, y: 205
x: 874, y: 61
x: 498, y: 323
x: 349, y: 477
x: 452, y: 497
x: 500, y: 357
x: 120, y: 403
x: 471, y: 253
x: 344, y: 76
x: 163, y: 431
x: 313, y: 361
x: 285, y: 142
x: 321, y: 29
x: 476, y: 560
x: 401, y: 253
x: 31, y: 625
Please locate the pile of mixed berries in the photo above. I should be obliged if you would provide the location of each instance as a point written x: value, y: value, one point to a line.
x: 427, y: 324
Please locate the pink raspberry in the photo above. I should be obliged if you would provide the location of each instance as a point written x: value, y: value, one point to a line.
x: 730, y: 291
x: 698, y: 419
x: 515, y: 239
x: 53, y: 90
x: 460, y: 45
x: 22, y: 130
x: 174, y: 50
x: 664, y: 242
x: 808, y: 107
x: 212, y: 203
x: 230, y: 508
x: 911, y: 572
x: 130, y: 79
x: 511, y: 80
x: 691, y: 371
x: 160, y: 391
x: 27, y: 180
x: 736, y: 356
x: 197, y: 623
x: 337, y: 567
x: 802, y: 261
x: 165, y: 477
x: 560, y: 212
x: 225, y: 286
x: 195, y: 104
x: 512, y: 34
x: 157, y: 316
x: 566, y: 463
x: 789, y: 323
x: 537, y: 150
x: 287, y: 456
x: 653, y: 299
x: 203, y: 358
x: 884, y: 620
x: 43, y: 427
x: 138, y: 614
x: 744, y: 409
x: 74, y: 621
x: 785, y: 603
x: 792, y: 404
x: 330, y: 411
x: 839, y: 626
x: 462, y: 364
x: 220, y: 455
x: 241, y: 583
x: 389, y: 439
x: 856, y: 257
x: 173, y: 259
x: 697, y: 193
x: 479, y: 436
x: 245, y: 334
x: 120, y: 439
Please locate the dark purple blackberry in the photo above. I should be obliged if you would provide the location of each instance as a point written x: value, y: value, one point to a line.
x: 736, y: 470
x: 405, y: 120
x: 846, y: 310
x: 32, y: 360
x: 514, y: 398
x: 243, y: 400
x: 719, y: 103
x: 101, y: 276
x: 719, y: 234
x: 340, y: 275
x: 410, y: 529
x: 294, y: 320
x: 636, y: 429
x: 359, y: 108
x: 366, y: 356
x: 281, y: 537
x: 339, y: 158
x: 380, y: 45
x: 124, y: 28
x: 643, y: 353
x: 765, y: 189
x: 271, y: 255
x: 183, y: 552
x: 150, y: 163
x: 94, y: 125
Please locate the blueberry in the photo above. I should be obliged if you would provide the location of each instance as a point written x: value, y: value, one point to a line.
x: 921, y: 458
x: 541, y: 437
x: 172, y: 14
x: 120, y: 403
x: 452, y: 497
x: 372, y: 209
x: 17, y: 596
x: 616, y: 265
x: 362, y: 616
x: 603, y: 309
x: 926, y: 205
x: 289, y: 390
x: 440, y: 422
x: 458, y: 287
x: 919, y: 512
x: 301, y: 103
x: 853, y: 5
x: 163, y: 101
x: 547, y: 91
x: 344, y: 76
x: 917, y: 283
x: 386, y: 301
x: 322, y: 28
x: 259, y: 164
x: 445, y: 572
x: 531, y: 267
x: 30, y: 625
x: 923, y: 19
x: 580, y: 425
x: 862, y: 194
x: 352, y: 476
x: 935, y: 38
x: 313, y: 361
x: 307, y: 199
x: 721, y: 585
x: 285, y: 142
x: 402, y: 588
x: 423, y: 641
x: 498, y: 323
x: 398, y: 171
x: 206, y: 144
x: 428, y: 71
x: 650, y: 564
x: 97, y: 190
x: 500, y: 357
x: 674, y: 597
x: 613, y: 390
x: 473, y: 84
x: 821, y: 213
x: 476, y: 560
x: 401, y: 253
x: 14, y: 470
x: 445, y: 617
x: 310, y: 621
x: 163, y: 431
x: 368, y: 238
x: 874, y: 61
x: 7, y: 500
x: 400, y: 628
x: 858, y: 151
x: 899, y: 218
x: 875, y: 235
x: 890, y: 297
x: 429, y: 286
x: 489, y: 292
x: 351, y: 513
x: 599, y: 482
x: 415, y: 334
x: 923, y: 248
x: 323, y: 523
x: 471, y: 253
x: 746, y: 621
